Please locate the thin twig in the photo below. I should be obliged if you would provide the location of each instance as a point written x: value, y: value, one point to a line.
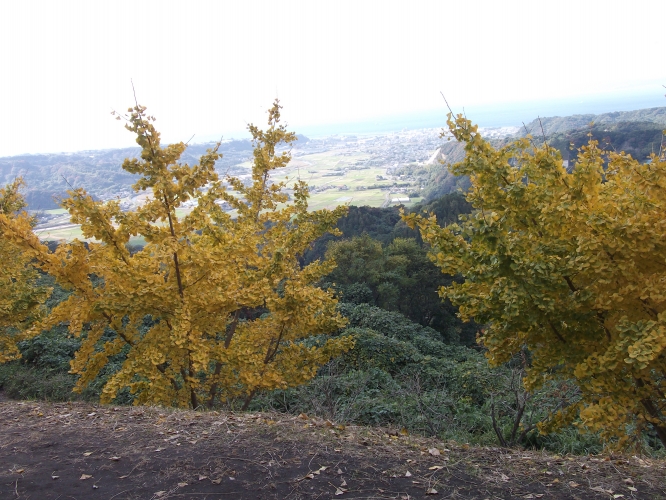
x: 134, y: 93
x: 65, y: 178
x: 543, y: 133
x: 528, y: 133
x: 447, y: 102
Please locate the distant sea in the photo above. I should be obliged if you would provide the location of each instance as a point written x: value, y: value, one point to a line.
x: 492, y: 115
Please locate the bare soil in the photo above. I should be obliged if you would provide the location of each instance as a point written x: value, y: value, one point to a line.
x: 83, y: 451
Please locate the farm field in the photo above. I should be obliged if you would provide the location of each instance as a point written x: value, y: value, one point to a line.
x: 336, y: 178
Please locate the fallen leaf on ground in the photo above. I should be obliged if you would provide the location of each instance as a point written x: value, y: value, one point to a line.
x: 431, y: 491
x: 434, y: 452
x: 216, y: 481
x: 85, y: 476
x: 408, y: 474
x: 182, y: 485
x: 115, y: 459
x: 87, y: 453
x: 55, y: 477
x: 573, y: 485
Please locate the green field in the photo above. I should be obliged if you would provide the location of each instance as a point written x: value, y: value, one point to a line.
x: 58, y: 233
x: 321, y: 171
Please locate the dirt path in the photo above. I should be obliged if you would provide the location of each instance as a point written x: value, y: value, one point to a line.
x: 80, y: 451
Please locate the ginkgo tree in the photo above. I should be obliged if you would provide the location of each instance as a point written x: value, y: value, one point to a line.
x: 571, y: 266
x: 22, y: 298
x: 228, y: 308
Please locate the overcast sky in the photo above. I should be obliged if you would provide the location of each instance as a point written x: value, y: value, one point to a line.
x: 212, y: 67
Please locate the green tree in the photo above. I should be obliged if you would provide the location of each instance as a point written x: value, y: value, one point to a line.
x: 571, y: 266
x: 396, y: 277
x: 228, y: 305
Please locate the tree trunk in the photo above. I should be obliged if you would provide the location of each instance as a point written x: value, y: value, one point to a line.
x: 247, y: 401
x: 660, y: 428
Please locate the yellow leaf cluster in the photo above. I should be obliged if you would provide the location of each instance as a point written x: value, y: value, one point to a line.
x: 571, y: 266
x: 21, y: 300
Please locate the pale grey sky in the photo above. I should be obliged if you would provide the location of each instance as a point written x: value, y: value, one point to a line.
x: 210, y: 67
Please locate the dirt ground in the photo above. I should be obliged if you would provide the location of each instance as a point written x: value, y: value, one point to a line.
x: 80, y: 451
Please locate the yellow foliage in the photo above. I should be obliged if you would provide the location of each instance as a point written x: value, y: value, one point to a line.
x: 227, y: 302
x: 570, y: 265
x: 21, y: 299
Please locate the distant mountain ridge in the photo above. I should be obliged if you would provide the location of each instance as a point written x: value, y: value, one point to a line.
x: 638, y: 133
x: 49, y: 176
x: 561, y: 124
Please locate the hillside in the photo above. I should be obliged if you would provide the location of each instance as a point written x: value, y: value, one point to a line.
x: 638, y: 133
x: 49, y: 176
x: 639, y: 139
x: 560, y: 124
